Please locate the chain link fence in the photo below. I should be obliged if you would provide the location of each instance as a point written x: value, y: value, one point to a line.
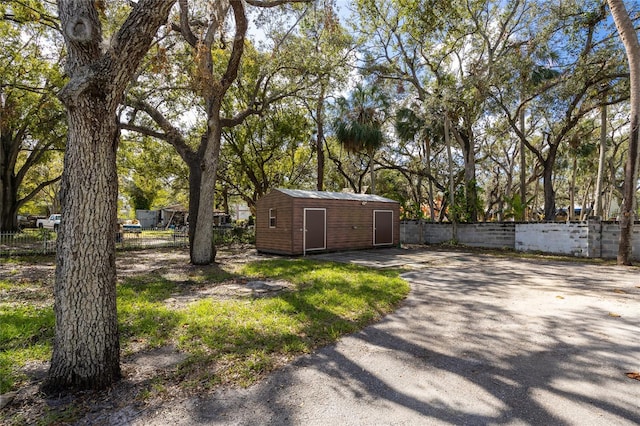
x: 43, y: 241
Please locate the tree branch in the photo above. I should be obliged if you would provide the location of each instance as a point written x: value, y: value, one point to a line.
x: 143, y: 130
x: 274, y: 3
x: 185, y: 27
x: 106, y: 73
x: 171, y: 134
x: 37, y: 189
x: 238, y: 44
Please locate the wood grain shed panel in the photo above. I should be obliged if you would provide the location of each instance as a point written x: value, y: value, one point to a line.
x: 349, y: 221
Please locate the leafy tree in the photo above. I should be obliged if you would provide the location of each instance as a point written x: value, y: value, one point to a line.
x: 151, y: 173
x: 558, y: 102
x: 268, y: 152
x: 409, y: 127
x: 581, y: 152
x: 31, y: 118
x: 460, y: 211
x: 447, y: 53
x: 322, y: 48
x: 358, y: 126
x: 347, y: 170
x: 86, y: 350
x: 216, y: 66
x: 629, y: 37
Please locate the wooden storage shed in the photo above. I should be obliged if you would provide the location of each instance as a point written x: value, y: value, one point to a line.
x: 293, y: 222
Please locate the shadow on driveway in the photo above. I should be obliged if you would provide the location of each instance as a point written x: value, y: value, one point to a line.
x: 480, y: 340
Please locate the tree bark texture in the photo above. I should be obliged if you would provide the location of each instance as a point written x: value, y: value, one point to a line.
x: 8, y: 195
x: 86, y: 352
x: 549, y: 193
x: 320, y: 138
x: 601, y: 160
x: 203, y: 249
x: 629, y: 37
x: 86, y: 347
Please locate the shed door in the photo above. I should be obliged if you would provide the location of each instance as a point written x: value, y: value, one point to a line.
x: 315, y: 229
x: 382, y: 227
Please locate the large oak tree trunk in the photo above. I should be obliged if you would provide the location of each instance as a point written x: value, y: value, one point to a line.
x: 8, y: 181
x: 627, y: 32
x: 86, y: 351
x: 8, y: 201
x: 195, y: 178
x: 203, y: 248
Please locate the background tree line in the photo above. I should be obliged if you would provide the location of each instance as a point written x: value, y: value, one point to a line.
x: 533, y: 95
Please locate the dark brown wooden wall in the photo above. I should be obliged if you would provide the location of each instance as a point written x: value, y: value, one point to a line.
x: 278, y: 239
x: 349, y: 223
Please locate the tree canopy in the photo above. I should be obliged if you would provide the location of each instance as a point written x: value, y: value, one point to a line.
x: 521, y: 85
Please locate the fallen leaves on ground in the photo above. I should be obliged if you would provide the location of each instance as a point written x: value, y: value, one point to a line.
x: 633, y: 375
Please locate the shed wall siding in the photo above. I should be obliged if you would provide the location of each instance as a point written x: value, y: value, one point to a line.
x: 349, y: 223
x: 278, y: 239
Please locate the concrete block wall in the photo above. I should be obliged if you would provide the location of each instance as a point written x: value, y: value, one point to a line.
x: 411, y: 232
x: 423, y: 232
x: 610, y: 235
x: 488, y: 234
x: 436, y: 233
x: 592, y: 239
x: 595, y: 239
x: 560, y: 238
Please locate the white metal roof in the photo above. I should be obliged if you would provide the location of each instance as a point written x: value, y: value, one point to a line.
x: 326, y: 195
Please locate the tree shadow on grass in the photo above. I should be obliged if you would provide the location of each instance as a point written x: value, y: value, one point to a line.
x: 499, y: 343
x: 226, y: 345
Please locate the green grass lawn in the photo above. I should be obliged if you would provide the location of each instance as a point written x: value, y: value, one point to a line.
x: 224, y: 340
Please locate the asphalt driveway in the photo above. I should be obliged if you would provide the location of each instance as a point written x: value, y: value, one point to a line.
x: 480, y: 340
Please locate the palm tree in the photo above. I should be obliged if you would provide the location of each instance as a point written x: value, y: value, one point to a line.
x: 359, y: 124
x: 409, y: 126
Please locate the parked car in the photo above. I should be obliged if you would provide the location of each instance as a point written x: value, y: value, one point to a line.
x: 53, y: 222
x: 23, y: 222
x: 132, y: 226
x: 28, y: 221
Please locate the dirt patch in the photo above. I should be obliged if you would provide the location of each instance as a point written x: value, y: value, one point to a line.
x: 142, y: 369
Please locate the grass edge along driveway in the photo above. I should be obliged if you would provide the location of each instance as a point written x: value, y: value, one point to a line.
x: 224, y: 340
